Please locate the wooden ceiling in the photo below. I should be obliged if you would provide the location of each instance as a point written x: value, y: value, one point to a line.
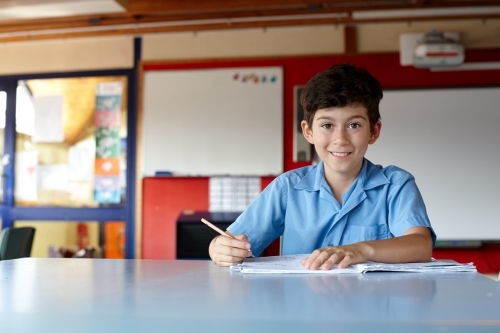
x: 149, y: 16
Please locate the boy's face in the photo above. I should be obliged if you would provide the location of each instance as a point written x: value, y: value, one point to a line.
x: 341, y: 137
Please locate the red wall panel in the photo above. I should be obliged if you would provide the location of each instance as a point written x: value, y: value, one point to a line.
x: 164, y: 198
x: 486, y: 258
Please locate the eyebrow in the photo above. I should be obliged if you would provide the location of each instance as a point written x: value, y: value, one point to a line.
x: 348, y: 119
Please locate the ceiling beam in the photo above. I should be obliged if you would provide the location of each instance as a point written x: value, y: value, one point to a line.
x: 175, y: 6
x: 136, y: 30
x: 139, y: 7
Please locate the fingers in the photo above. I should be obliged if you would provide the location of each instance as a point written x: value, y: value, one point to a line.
x: 238, y: 242
x: 327, y: 257
x: 348, y: 260
x: 243, y: 238
x: 223, y: 260
x: 332, y: 260
x: 317, y: 258
x: 227, y: 251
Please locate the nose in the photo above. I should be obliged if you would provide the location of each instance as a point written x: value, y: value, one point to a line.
x: 340, y: 137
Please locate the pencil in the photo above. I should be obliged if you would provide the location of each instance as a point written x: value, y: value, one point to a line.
x: 227, y: 234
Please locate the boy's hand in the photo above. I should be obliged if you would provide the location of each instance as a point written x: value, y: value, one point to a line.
x: 344, y: 256
x: 227, y: 251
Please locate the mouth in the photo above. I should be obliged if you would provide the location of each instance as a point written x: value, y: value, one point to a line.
x: 340, y: 155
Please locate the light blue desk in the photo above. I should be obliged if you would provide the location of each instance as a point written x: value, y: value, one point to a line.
x: 86, y: 295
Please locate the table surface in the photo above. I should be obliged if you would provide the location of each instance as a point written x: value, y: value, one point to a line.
x: 103, y: 295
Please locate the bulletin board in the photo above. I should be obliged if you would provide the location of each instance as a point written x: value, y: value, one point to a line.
x: 218, y: 121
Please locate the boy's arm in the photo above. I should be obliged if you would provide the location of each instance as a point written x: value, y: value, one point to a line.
x: 414, y: 246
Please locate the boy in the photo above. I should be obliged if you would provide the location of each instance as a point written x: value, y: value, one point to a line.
x: 345, y: 210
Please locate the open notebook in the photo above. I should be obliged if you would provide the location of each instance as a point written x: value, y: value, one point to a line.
x: 292, y: 264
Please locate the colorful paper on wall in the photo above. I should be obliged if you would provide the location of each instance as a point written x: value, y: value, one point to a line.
x: 107, y: 183
x: 107, y: 196
x: 25, y: 187
x: 107, y: 118
x: 107, y: 132
x: 107, y: 142
x: 107, y: 167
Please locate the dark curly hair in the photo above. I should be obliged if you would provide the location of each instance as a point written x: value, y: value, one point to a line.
x: 342, y: 85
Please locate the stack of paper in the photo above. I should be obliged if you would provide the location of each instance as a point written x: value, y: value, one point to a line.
x: 292, y: 264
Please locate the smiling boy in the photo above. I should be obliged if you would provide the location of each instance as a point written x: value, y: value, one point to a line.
x: 345, y: 210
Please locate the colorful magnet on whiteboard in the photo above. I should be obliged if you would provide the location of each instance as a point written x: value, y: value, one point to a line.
x: 236, y: 76
x: 264, y: 78
x: 273, y: 79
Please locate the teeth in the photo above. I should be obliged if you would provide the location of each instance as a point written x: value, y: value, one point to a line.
x: 340, y: 154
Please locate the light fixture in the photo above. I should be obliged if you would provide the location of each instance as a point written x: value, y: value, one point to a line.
x: 21, y: 10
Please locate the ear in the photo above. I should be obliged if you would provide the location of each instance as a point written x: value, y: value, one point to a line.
x: 307, y: 131
x: 375, y: 132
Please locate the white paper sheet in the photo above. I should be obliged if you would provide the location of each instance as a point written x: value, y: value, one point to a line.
x: 48, y: 118
x: 25, y: 187
x: 81, y: 158
x: 291, y: 264
x: 53, y: 177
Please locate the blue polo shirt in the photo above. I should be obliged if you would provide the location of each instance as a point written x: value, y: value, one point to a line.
x: 381, y: 203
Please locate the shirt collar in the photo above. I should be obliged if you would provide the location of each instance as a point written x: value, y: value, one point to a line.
x: 370, y: 175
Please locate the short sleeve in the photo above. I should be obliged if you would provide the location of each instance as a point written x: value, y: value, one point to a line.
x: 263, y: 221
x: 406, y: 208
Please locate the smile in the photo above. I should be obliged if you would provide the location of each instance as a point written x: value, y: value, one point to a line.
x: 340, y: 154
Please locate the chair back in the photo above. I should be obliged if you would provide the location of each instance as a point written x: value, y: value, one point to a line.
x: 16, y: 242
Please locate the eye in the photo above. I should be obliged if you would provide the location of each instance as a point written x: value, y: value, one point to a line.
x: 327, y: 126
x: 354, y: 125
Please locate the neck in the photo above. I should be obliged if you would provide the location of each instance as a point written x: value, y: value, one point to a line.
x: 339, y: 183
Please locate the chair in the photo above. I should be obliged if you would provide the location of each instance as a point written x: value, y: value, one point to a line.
x: 16, y: 242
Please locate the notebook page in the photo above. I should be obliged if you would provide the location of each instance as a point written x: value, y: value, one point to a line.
x: 289, y: 264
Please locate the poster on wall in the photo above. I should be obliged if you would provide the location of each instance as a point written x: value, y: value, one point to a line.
x: 107, y: 128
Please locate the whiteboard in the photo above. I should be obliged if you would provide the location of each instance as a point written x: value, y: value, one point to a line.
x: 449, y: 139
x: 213, y: 121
